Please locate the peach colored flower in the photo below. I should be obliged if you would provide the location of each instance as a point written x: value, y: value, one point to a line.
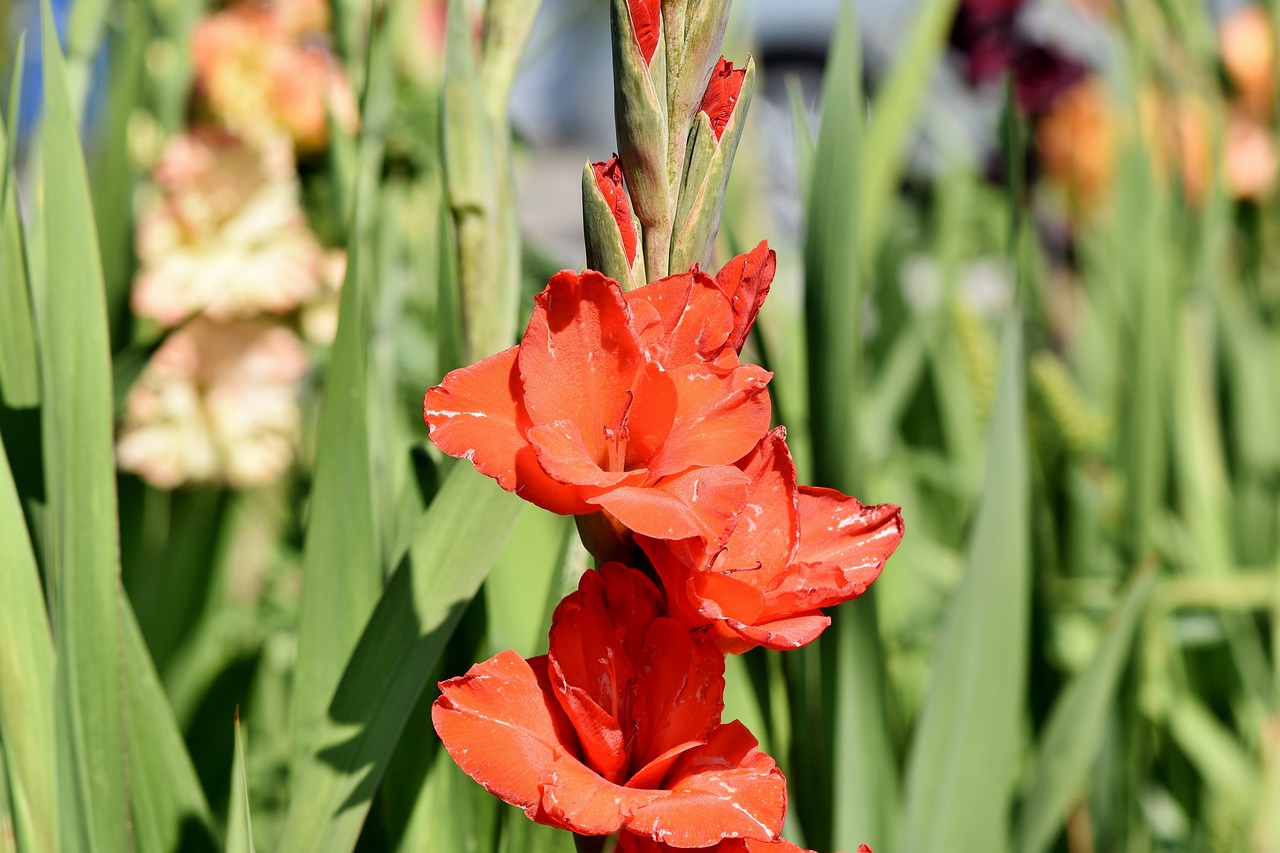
x: 226, y: 236
x: 259, y: 80
x: 319, y: 318
x: 217, y: 403
x: 1075, y: 139
x: 1250, y: 159
x: 1248, y: 57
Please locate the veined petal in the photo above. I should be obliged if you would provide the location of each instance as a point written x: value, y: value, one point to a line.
x: 604, y: 745
x: 783, y: 634
x: 499, y: 723
x: 726, y: 788
x: 700, y: 502
x: 695, y: 318
x: 836, y: 528
x: 746, y: 280
x: 476, y: 414
x: 721, y: 415
x: 563, y: 454
x: 680, y: 690
x: 579, y: 356
x: 767, y: 532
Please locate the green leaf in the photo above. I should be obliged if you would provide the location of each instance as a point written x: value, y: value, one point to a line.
x: 26, y: 677
x: 239, y: 822
x: 83, y: 545
x: 964, y: 756
x: 456, y: 543
x: 1074, y: 732
x: 19, y: 370
x: 342, y: 566
x: 170, y: 811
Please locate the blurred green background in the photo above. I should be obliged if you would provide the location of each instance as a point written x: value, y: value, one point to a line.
x: 1029, y: 289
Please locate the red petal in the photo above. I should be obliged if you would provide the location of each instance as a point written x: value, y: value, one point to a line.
x: 652, y: 413
x: 477, y: 414
x: 722, y: 94
x: 838, y: 529
x: 746, y: 280
x: 498, y: 723
x: 697, y: 503
x: 604, y: 747
x: 609, y: 180
x: 720, y: 416
x: 579, y: 357
x: 695, y: 318
x: 727, y: 788
x: 646, y: 23
x: 629, y: 843
x: 784, y: 634
x: 680, y: 690
x: 563, y: 454
x: 652, y: 774
x: 767, y: 532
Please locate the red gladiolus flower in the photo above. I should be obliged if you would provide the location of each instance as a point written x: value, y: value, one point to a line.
x: 794, y: 550
x: 646, y: 23
x: 616, y: 728
x: 722, y: 94
x: 609, y: 179
x: 634, y: 405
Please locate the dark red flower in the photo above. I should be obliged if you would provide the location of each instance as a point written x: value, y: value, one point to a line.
x: 722, y: 93
x: 793, y: 550
x: 635, y: 405
x: 983, y: 32
x: 609, y: 179
x: 616, y: 728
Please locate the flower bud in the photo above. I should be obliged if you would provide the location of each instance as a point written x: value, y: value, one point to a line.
x: 640, y: 110
x: 612, y: 240
x: 716, y: 133
x: 694, y: 34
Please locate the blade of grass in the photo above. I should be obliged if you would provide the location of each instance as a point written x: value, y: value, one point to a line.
x: 83, y: 543
x: 1076, y: 726
x: 457, y: 541
x: 964, y: 755
x: 239, y: 822
x: 26, y: 677
x: 19, y: 370
x: 170, y: 811
x: 342, y: 566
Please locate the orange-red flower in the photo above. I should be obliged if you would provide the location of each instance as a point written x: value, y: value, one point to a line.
x: 646, y: 24
x: 616, y: 728
x: 794, y: 550
x: 632, y: 404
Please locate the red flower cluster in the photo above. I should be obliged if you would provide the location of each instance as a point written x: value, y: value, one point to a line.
x: 634, y: 409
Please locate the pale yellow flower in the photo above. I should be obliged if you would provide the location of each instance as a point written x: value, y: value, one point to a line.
x: 226, y: 236
x: 217, y: 403
x: 319, y: 319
